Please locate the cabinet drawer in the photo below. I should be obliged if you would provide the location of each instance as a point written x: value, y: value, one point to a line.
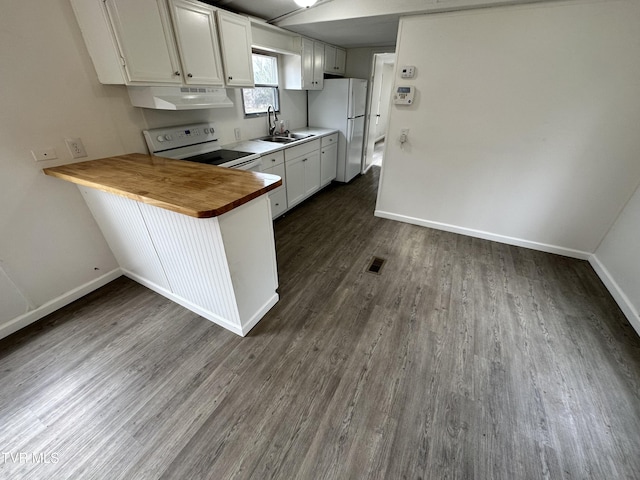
x: 300, y: 150
x: 330, y: 139
x: 272, y: 159
x: 278, y: 199
x: 276, y: 170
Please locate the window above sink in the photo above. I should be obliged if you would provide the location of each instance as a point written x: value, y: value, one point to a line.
x: 255, y: 101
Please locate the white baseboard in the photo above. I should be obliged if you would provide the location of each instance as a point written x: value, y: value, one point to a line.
x: 260, y: 313
x: 616, y: 292
x: 51, y: 306
x: 543, y: 247
x: 212, y: 317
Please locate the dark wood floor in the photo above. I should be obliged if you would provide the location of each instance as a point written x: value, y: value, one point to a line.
x: 463, y: 359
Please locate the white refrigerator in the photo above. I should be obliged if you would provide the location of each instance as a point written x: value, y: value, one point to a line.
x: 341, y: 105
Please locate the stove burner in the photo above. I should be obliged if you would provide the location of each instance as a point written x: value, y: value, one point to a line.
x: 218, y: 157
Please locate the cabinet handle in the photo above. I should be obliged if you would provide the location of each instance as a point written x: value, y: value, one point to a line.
x: 230, y: 78
x: 304, y: 159
x: 176, y: 73
x: 189, y: 75
x: 273, y: 159
x: 277, y: 204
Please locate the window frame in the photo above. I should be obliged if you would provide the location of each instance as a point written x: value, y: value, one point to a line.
x: 276, y: 88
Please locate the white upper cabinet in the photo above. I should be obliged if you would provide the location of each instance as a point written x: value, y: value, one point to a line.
x: 341, y: 61
x: 318, y: 66
x: 143, y: 36
x: 197, y: 39
x: 335, y: 59
x: 235, y: 39
x: 163, y: 42
x: 306, y: 71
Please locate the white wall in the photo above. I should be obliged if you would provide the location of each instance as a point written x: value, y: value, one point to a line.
x: 360, y: 60
x: 617, y: 261
x: 525, y: 124
x: 50, y: 245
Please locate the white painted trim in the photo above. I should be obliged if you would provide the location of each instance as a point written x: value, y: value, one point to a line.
x: 519, y: 242
x: 212, y: 317
x: 260, y: 313
x: 617, y: 293
x: 51, y: 306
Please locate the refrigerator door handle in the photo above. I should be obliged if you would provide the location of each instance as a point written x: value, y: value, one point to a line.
x: 352, y: 105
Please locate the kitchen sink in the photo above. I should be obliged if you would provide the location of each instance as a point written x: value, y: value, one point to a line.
x: 298, y: 136
x: 277, y: 139
x: 291, y: 137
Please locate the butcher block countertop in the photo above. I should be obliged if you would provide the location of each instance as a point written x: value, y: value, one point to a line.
x: 190, y: 188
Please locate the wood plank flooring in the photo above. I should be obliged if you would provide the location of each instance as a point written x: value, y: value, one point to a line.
x: 463, y: 359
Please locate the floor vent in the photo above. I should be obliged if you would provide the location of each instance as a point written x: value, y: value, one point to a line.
x: 376, y: 265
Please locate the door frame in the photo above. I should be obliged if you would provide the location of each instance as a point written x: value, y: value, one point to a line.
x: 369, y: 108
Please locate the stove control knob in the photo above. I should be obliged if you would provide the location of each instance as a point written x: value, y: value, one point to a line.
x: 206, y: 130
x: 167, y: 137
x: 160, y: 138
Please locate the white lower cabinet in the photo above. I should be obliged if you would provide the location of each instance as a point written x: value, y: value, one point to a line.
x: 328, y: 159
x: 302, y: 169
x: 278, y: 198
x: 273, y: 163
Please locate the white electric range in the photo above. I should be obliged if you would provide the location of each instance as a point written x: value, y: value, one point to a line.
x: 198, y: 142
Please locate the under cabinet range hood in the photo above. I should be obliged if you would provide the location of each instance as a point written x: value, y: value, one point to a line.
x: 179, y: 97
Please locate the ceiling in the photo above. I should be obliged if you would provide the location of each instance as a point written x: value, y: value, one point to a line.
x: 350, y: 23
x: 360, y: 32
x: 265, y: 9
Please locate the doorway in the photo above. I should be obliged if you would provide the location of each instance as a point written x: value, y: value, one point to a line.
x: 378, y: 115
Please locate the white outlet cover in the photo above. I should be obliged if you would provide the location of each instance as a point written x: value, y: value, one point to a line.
x: 76, y: 148
x: 43, y: 154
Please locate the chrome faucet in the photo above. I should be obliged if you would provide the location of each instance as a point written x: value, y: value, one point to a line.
x: 272, y: 126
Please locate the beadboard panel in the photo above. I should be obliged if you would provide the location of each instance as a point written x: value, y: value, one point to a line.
x: 121, y: 222
x: 223, y: 268
x: 193, y: 255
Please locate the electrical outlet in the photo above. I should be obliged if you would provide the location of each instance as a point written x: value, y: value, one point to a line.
x: 44, y: 154
x: 76, y: 148
x: 236, y: 131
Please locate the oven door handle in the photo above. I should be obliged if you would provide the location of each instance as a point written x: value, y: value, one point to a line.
x: 250, y: 165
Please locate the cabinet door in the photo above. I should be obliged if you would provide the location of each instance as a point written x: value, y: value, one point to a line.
x: 318, y: 66
x: 278, y: 197
x: 145, y: 40
x: 308, y: 62
x: 341, y: 61
x: 197, y: 40
x: 328, y: 164
x: 295, y: 173
x: 330, y: 59
x: 235, y: 40
x: 311, y: 173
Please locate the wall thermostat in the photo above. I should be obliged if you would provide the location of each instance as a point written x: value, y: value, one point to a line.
x: 408, y: 72
x: 404, y: 95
